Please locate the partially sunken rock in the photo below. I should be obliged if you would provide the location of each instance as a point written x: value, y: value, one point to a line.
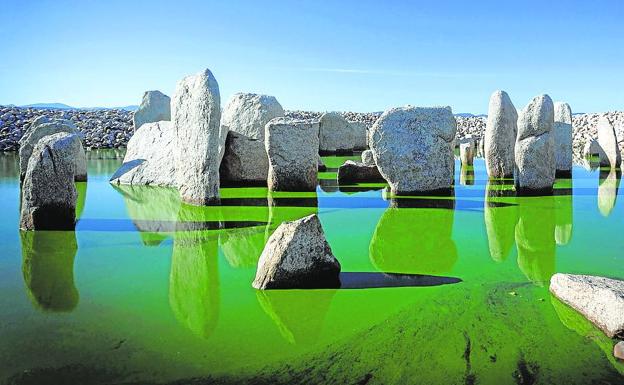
x: 352, y: 171
x: 247, y: 114
x: 48, y: 192
x: 154, y: 107
x: 610, y: 154
x: 245, y: 160
x: 42, y: 127
x: 412, y: 147
x: 151, y: 150
x: 563, y: 138
x: 200, y: 139
x: 335, y: 134
x: 297, y: 255
x: 500, y: 136
x: 535, y: 150
x: 292, y: 147
x: 599, y: 299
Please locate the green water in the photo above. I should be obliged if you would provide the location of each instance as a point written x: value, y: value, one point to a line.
x: 148, y: 290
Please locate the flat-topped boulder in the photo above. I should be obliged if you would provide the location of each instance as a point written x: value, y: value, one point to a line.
x: 599, y: 299
x: 245, y: 160
x: 297, y: 256
x: 248, y: 114
x: 335, y: 134
x: 292, y: 147
x: 607, y: 139
x: 412, y: 147
x: 500, y: 136
x: 535, y: 148
x: 200, y: 138
x: 155, y: 107
x: 48, y: 191
x: 149, y: 158
x: 563, y: 138
x: 44, y: 126
x: 353, y: 172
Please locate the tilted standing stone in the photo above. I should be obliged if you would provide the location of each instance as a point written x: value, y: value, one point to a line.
x: 42, y: 127
x: 297, y: 255
x: 154, y: 107
x: 563, y: 138
x: 48, y: 192
x: 535, y: 148
x: 412, y: 147
x: 500, y: 136
x: 292, y: 148
x: 335, y: 134
x: 200, y: 139
x: 610, y: 155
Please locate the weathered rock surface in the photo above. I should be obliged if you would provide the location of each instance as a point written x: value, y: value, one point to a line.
x: 154, y: 144
x: 466, y: 153
x: 607, y: 139
x: 247, y: 114
x: 367, y: 158
x: 292, y: 147
x: 500, y: 136
x: 335, y: 134
x: 534, y: 150
x: 412, y: 147
x: 352, y: 171
x: 42, y: 127
x: 297, y: 255
x: 321, y: 164
x: 599, y: 299
x: 563, y: 137
x: 154, y: 107
x: 245, y: 160
x: 200, y: 139
x: 359, y: 131
x: 618, y: 350
x: 48, y: 192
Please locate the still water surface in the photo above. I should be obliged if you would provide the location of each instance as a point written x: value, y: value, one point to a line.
x: 434, y: 290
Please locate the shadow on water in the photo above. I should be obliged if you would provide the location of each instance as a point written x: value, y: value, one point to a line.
x: 103, y: 224
x: 364, y: 280
x: 48, y: 269
x: 608, y: 185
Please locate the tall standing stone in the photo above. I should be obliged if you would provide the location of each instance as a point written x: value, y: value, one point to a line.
x: 610, y: 155
x: 359, y: 132
x: 535, y: 148
x: 335, y: 134
x: 292, y: 147
x: 154, y: 107
x: 48, y: 192
x: 412, y: 147
x: 563, y: 138
x: 200, y: 139
x: 500, y: 136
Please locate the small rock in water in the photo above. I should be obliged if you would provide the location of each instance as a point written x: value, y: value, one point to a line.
x: 352, y: 171
x: 618, y: 350
x: 297, y: 255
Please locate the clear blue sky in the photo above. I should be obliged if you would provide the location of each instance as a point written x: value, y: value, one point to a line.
x: 320, y: 55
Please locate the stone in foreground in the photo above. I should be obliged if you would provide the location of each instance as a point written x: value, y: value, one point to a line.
x: 153, y: 143
x: 335, y: 134
x: 292, y: 147
x: 44, y: 126
x: 245, y: 160
x: 297, y: 256
x: 200, y: 139
x: 154, y: 107
x: 48, y: 192
x: 599, y: 299
x: 535, y: 148
x: 412, y: 147
x: 500, y: 136
x: 610, y: 154
x: 563, y: 138
x: 352, y: 171
x: 247, y: 114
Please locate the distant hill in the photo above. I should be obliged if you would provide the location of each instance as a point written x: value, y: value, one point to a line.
x: 62, y: 106
x: 469, y: 115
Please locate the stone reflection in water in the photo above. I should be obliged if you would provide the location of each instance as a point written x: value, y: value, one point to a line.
x: 48, y: 269
x: 285, y: 206
x: 500, y: 221
x: 298, y: 314
x: 564, y: 218
x: 608, y: 186
x: 466, y: 177
x: 414, y: 236
x: 152, y: 210
x: 535, y: 240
